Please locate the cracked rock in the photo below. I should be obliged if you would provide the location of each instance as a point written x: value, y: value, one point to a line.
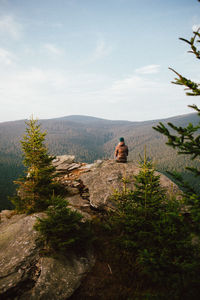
x: 24, y: 274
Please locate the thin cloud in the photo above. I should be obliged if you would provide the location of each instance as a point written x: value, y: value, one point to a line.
x: 132, y: 84
x: 43, y: 79
x: 51, y: 93
x: 102, y: 50
x: 52, y: 49
x: 9, y: 26
x: 6, y: 57
x: 150, y: 69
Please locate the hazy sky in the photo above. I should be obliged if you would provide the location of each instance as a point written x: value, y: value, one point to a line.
x: 103, y: 58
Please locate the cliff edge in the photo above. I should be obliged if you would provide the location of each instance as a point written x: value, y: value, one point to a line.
x: 27, y: 274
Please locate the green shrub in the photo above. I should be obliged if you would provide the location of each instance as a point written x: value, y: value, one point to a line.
x: 63, y: 229
x: 152, y: 233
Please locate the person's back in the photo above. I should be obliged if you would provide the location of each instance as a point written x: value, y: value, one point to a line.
x: 121, y: 151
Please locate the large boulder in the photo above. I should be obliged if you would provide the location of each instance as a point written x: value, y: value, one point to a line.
x: 25, y: 273
x: 106, y: 177
x: 96, y: 183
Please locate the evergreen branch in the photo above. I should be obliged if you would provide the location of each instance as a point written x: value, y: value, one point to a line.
x: 184, y: 141
x: 189, y: 84
x: 182, y: 39
x: 183, y: 185
x: 194, y: 170
x: 192, y: 42
x: 195, y: 107
x: 179, y: 75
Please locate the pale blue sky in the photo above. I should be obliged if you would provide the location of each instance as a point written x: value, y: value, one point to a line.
x: 104, y: 58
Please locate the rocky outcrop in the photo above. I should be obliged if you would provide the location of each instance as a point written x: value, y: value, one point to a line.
x: 91, y: 186
x: 25, y: 273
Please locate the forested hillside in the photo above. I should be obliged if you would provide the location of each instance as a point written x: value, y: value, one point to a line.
x: 88, y: 139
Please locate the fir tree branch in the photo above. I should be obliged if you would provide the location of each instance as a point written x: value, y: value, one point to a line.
x: 184, y: 185
x: 192, y: 86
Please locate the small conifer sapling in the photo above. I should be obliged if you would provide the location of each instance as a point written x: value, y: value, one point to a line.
x: 37, y: 186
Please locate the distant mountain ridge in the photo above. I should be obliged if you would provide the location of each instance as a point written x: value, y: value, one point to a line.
x: 88, y: 119
x: 89, y: 139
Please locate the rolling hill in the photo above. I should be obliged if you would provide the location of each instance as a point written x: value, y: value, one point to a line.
x: 89, y: 138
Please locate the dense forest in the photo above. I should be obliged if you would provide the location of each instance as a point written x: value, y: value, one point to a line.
x: 89, y: 138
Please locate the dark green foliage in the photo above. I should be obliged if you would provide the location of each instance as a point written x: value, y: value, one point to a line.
x: 184, y: 185
x: 10, y: 170
x: 37, y: 186
x: 186, y: 139
x: 148, y: 190
x: 63, y: 229
x: 154, y: 235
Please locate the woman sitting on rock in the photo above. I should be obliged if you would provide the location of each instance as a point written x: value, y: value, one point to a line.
x: 121, y: 151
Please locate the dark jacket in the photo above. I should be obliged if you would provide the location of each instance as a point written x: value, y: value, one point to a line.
x: 121, y: 152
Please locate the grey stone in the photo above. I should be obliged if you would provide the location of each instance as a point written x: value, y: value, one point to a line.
x: 63, y: 162
x: 76, y: 201
x: 24, y: 274
x: 17, y: 250
x: 63, y: 159
x: 59, y: 278
x: 63, y: 167
x: 74, y: 166
x: 72, y: 190
x: 87, y: 167
x: 103, y: 180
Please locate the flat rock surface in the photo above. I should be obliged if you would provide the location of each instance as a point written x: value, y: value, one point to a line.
x: 25, y: 274
x: 63, y: 159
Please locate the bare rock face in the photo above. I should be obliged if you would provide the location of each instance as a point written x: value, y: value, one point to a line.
x: 63, y: 159
x: 96, y: 182
x: 25, y: 274
x: 104, y: 179
x: 63, y: 162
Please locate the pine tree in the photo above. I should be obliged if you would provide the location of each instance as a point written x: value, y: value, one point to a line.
x: 139, y: 209
x: 37, y: 186
x: 186, y: 139
x: 147, y: 185
x: 154, y: 237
